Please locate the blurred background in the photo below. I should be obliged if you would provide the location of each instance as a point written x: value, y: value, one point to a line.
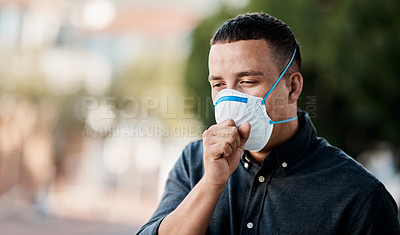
x: 98, y: 98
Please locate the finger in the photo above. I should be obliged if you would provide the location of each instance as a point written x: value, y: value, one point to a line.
x: 228, y: 122
x: 237, y: 139
x: 223, y: 131
x: 229, y: 134
x: 231, y: 139
x: 226, y: 149
x: 244, y: 131
x: 220, y: 150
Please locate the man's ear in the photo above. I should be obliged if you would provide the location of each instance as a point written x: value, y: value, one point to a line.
x: 295, y: 85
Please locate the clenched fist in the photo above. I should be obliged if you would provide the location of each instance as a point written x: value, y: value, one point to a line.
x: 223, y: 145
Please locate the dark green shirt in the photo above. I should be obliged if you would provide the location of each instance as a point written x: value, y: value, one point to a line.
x: 305, y: 186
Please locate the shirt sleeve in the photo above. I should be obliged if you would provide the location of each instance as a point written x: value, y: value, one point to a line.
x: 177, y: 187
x: 379, y: 215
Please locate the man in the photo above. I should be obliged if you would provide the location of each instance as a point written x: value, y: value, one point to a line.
x: 261, y: 169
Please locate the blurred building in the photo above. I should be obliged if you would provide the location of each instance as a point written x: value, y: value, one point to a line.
x: 93, y: 110
x: 72, y: 73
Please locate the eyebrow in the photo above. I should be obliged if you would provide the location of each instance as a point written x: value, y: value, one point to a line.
x: 238, y: 75
x: 249, y: 73
x: 214, y: 78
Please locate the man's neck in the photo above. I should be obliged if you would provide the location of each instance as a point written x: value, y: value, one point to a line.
x: 280, y: 135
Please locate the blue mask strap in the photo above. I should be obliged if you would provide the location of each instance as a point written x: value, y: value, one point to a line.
x: 280, y: 76
x: 287, y: 120
x: 276, y: 83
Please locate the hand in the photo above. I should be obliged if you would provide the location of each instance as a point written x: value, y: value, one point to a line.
x: 223, y: 145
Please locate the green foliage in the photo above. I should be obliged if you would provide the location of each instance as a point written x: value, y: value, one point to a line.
x: 351, y: 52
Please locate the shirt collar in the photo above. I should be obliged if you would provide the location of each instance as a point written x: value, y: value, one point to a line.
x: 292, y: 150
x: 249, y: 163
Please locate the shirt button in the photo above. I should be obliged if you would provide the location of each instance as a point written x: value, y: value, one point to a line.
x: 246, y: 165
x: 249, y: 225
x: 261, y: 179
x: 284, y: 164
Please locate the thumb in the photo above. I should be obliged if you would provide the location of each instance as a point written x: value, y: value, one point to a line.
x: 244, y: 131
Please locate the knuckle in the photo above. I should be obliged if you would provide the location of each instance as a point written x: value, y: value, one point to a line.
x: 232, y: 139
x: 205, y: 141
x: 228, y: 148
x: 231, y: 122
x: 234, y: 130
x: 205, y: 134
x: 225, y: 146
x: 208, y: 132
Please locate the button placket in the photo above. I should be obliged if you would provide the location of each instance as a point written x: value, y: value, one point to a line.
x: 258, y: 193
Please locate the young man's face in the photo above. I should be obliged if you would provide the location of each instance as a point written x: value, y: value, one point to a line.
x: 247, y: 66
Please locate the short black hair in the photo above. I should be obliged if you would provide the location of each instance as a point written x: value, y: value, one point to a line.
x: 253, y: 26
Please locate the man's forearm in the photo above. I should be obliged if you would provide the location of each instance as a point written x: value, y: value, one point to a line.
x: 193, y: 215
x: 223, y: 145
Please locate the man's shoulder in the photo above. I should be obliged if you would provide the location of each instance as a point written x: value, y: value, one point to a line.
x: 195, y: 146
x: 193, y: 152
x: 351, y: 185
x: 191, y: 160
x: 344, y: 169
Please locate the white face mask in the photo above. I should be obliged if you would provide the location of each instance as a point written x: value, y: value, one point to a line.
x: 241, y: 107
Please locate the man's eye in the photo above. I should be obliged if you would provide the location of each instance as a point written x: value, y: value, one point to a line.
x: 217, y: 85
x: 247, y: 82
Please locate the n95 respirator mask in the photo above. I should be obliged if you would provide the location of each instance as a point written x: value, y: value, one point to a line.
x: 242, y: 107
